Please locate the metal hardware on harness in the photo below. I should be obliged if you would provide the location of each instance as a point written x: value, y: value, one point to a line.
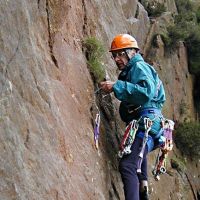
x: 147, y: 125
x: 128, y: 138
x: 160, y: 164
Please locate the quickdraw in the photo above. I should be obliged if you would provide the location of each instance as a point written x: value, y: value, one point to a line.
x: 160, y: 164
x: 147, y: 124
x: 97, y: 123
x: 96, y: 130
x: 128, y: 138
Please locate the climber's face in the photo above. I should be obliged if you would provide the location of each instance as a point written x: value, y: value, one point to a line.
x: 120, y: 58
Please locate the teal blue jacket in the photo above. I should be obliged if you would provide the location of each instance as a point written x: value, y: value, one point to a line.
x: 138, y: 85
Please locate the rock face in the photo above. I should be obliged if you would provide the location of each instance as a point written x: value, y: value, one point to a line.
x: 47, y: 99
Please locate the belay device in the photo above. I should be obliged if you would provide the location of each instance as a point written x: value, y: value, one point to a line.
x: 160, y: 164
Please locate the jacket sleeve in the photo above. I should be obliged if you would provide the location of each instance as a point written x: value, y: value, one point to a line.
x: 139, y: 90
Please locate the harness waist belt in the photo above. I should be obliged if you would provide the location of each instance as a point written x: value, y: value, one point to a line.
x: 150, y: 111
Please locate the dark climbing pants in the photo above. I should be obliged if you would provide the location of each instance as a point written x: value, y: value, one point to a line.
x: 128, y: 170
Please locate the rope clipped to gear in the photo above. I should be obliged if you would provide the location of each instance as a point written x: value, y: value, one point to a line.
x: 160, y: 164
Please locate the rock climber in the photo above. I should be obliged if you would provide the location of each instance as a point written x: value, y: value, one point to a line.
x: 142, y: 94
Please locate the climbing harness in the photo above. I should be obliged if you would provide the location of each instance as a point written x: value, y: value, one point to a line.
x: 147, y: 124
x: 160, y: 164
x: 128, y: 138
x: 165, y: 146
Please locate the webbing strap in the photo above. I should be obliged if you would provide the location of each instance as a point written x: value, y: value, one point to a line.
x: 147, y: 124
x: 150, y: 111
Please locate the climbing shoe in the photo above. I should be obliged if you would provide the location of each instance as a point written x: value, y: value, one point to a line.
x: 144, y: 193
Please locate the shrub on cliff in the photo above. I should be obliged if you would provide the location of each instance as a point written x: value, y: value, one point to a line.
x: 94, y: 51
x: 186, y: 28
x: 187, y: 139
x: 193, y: 44
x: 154, y: 9
x: 178, y: 163
x: 198, y: 15
x: 183, y: 5
x: 190, y: 27
x: 165, y: 38
x: 184, y: 24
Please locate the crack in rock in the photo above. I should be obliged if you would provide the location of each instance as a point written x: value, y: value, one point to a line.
x: 50, y: 40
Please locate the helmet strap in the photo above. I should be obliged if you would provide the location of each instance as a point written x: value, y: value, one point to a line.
x: 126, y: 52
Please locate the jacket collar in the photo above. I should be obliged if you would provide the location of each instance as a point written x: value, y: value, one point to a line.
x: 130, y: 64
x: 135, y: 59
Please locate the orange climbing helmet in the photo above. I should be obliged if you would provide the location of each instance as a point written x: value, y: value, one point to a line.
x: 123, y: 41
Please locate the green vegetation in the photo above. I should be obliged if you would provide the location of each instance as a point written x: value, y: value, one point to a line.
x: 183, y: 108
x: 168, y: 44
x: 193, y: 44
x: 178, y: 163
x: 198, y: 15
x: 154, y: 8
x: 183, y: 5
x: 95, y: 51
x: 186, y: 28
x: 183, y: 27
x: 187, y: 139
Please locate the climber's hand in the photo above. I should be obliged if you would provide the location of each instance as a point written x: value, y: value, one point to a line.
x: 107, y: 86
